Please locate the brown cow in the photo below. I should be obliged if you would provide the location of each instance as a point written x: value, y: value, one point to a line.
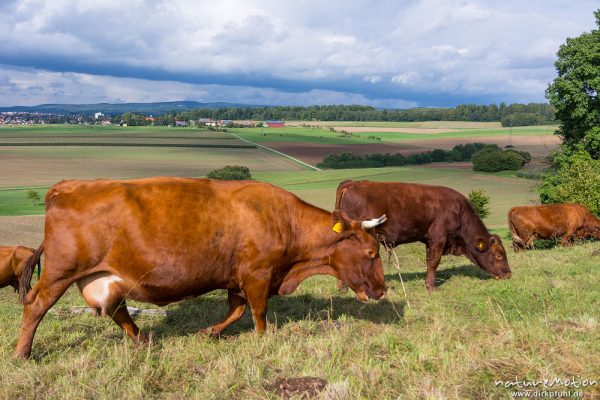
x: 12, y: 261
x: 440, y: 217
x: 161, y: 240
x: 551, y: 221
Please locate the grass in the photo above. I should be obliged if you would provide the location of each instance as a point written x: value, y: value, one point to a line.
x: 454, y: 344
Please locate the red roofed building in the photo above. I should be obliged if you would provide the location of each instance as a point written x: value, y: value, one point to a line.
x: 275, y: 124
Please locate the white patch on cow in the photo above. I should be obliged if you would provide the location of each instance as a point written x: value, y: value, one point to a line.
x: 96, y: 289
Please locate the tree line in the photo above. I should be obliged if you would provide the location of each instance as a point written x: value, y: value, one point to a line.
x: 509, y: 115
x: 460, y: 152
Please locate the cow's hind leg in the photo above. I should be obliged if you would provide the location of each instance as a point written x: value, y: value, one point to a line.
x: 102, y: 291
x: 237, y: 307
x: 122, y: 318
x: 37, y: 303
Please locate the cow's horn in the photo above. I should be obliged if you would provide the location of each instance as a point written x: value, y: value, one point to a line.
x: 372, y: 223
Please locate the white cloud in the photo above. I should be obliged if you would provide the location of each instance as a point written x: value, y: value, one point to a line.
x: 459, y: 47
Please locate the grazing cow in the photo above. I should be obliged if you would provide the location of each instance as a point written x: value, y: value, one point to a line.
x: 161, y: 240
x: 441, y: 218
x: 551, y: 221
x: 12, y: 261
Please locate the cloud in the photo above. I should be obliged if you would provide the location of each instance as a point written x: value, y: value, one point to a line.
x: 423, y: 52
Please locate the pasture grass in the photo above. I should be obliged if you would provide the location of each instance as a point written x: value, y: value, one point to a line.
x: 543, y: 323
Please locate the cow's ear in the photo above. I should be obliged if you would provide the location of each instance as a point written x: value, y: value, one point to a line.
x: 481, y: 244
x: 339, y: 221
x: 495, y: 239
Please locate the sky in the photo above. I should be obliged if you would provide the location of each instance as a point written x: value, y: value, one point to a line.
x: 381, y: 53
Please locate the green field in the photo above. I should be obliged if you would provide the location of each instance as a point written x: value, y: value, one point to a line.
x: 456, y: 343
x: 318, y: 187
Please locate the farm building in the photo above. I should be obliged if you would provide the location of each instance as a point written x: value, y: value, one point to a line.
x: 226, y: 122
x: 181, y: 123
x: 275, y: 124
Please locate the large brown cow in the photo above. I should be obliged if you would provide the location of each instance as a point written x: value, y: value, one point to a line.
x: 440, y: 217
x: 551, y: 221
x: 12, y: 261
x: 161, y: 240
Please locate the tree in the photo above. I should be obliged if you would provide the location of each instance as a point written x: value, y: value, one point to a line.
x: 33, y: 196
x: 577, y: 181
x: 480, y: 202
x: 574, y: 92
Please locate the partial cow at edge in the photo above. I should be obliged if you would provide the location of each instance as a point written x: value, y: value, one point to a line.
x: 161, y: 240
x: 551, y: 221
x: 440, y: 217
x: 12, y: 261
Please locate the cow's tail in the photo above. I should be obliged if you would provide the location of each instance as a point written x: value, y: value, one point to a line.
x: 513, y: 230
x: 27, y: 273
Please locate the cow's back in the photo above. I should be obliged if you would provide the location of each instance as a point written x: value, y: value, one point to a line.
x: 412, y: 209
x: 193, y: 228
x: 546, y: 221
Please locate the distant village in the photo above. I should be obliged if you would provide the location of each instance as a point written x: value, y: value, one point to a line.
x: 31, y: 118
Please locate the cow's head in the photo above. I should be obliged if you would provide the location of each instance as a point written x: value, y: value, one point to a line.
x: 490, y: 255
x: 356, y: 256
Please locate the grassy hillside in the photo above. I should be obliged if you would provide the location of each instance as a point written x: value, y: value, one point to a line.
x: 543, y: 323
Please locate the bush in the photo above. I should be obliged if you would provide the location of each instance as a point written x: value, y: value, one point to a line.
x: 231, y: 173
x: 494, y: 160
x: 576, y: 181
x: 480, y: 202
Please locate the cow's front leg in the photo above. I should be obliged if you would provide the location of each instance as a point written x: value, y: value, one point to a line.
x: 434, y: 255
x: 237, y: 306
x: 257, y: 292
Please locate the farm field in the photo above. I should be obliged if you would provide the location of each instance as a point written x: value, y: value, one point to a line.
x: 387, y: 124
x: 464, y: 341
x: 312, y: 144
x: 318, y: 187
x: 122, y: 153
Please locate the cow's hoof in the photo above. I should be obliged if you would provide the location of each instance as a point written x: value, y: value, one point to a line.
x: 210, y: 332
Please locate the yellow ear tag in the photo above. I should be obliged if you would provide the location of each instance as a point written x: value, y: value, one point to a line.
x: 481, y: 246
x: 337, y: 227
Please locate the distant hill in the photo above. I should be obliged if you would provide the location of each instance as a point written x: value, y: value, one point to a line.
x: 111, y: 109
